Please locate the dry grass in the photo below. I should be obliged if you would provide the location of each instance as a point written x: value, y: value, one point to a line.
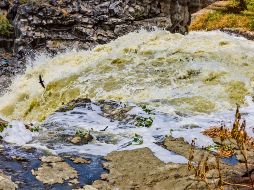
x: 235, y: 138
x: 231, y: 16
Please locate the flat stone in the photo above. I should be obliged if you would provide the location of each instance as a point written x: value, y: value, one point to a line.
x: 6, y: 183
x: 51, y: 159
x: 79, y: 160
x: 57, y: 172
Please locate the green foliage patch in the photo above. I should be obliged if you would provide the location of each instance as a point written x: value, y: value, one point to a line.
x: 5, y: 26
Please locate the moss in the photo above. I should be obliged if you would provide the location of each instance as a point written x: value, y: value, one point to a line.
x: 6, y: 28
x: 237, y: 91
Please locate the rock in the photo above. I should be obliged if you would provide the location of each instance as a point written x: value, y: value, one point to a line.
x: 140, y: 169
x: 6, y: 183
x: 19, y: 158
x: 87, y: 187
x: 74, y: 181
x: 37, y: 23
x: 76, y: 140
x: 50, y: 159
x: 79, y: 160
x: 82, y: 138
x: 53, y: 170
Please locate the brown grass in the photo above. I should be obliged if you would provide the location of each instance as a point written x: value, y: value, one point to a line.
x: 230, y: 15
x: 218, y: 20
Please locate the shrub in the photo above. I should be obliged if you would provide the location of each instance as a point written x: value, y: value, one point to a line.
x: 5, y: 26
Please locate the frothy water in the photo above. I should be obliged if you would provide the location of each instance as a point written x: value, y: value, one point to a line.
x: 192, y: 80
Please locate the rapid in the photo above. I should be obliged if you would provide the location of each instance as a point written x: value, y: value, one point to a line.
x: 189, y: 82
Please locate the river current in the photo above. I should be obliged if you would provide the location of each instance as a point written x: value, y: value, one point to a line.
x: 192, y: 80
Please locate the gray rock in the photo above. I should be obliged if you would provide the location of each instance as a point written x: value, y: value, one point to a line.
x: 92, y: 22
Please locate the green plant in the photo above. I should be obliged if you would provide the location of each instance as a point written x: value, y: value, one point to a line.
x: 82, y: 133
x: 144, y: 122
x: 35, y: 129
x: 5, y: 26
x: 147, y: 110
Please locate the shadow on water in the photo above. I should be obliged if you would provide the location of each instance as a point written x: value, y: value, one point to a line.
x: 18, y: 163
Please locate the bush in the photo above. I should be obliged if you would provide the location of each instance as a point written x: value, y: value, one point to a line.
x: 5, y: 26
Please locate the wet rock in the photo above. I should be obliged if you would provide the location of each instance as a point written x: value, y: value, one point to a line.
x: 74, y: 181
x: 81, y: 137
x: 51, y: 159
x: 80, y: 102
x: 140, y: 169
x: 19, y: 158
x: 54, y: 170
x: 78, y: 160
x: 87, y: 187
x: 6, y: 183
x: 114, y: 110
x: 76, y: 140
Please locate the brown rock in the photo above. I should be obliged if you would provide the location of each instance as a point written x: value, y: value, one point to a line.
x: 6, y: 183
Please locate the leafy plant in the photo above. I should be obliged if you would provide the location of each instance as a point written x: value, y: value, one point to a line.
x: 35, y: 129
x: 82, y: 133
x: 147, y: 110
x: 144, y: 122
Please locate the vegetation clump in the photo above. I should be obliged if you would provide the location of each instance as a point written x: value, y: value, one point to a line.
x: 144, y: 121
x: 6, y: 28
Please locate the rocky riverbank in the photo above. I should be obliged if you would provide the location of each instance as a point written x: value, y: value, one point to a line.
x: 36, y: 168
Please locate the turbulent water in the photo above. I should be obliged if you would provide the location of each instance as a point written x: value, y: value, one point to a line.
x: 199, y: 77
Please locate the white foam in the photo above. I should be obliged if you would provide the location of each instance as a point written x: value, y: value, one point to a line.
x: 17, y: 133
